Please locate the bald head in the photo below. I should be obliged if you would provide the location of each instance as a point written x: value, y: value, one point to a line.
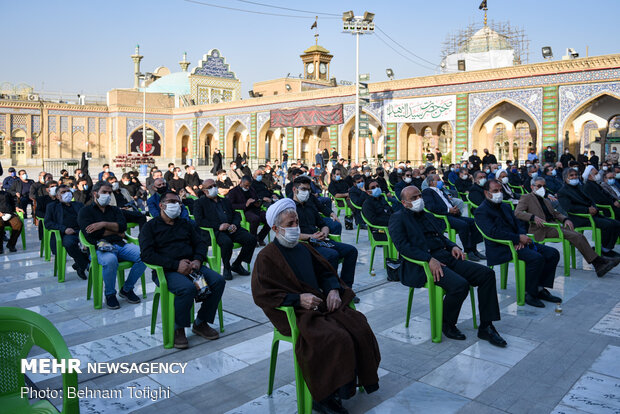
x: 207, y: 182
x: 409, y: 194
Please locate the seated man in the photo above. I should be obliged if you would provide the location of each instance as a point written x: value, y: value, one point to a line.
x: 9, y: 218
x: 192, y: 181
x: 338, y: 188
x: 263, y: 193
x: 217, y: 213
x: 553, y: 182
x: 134, y: 190
x: 419, y: 236
x: 176, y: 183
x: 609, y: 185
x: 463, y: 183
x: 573, y: 200
x: 507, y: 192
x: 150, y: 183
x: 224, y: 183
x: 63, y: 216
x: 122, y: 199
x: 593, y: 190
x: 105, y: 173
x: 436, y: 202
x: 81, y: 194
x: 405, y: 182
x: 159, y: 185
x: 314, y: 231
x: 42, y: 202
x: 358, y: 195
x: 244, y: 197
x: 20, y: 189
x: 377, y: 210
x: 104, y: 226
x: 176, y: 246
x: 340, y: 350
x: 536, y: 209
x: 498, y: 221
x: 476, y: 192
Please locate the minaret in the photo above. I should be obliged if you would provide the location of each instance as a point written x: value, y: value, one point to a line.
x: 184, y: 63
x: 136, y: 57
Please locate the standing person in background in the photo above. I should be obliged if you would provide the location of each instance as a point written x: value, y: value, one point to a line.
x: 532, y: 155
x: 488, y: 158
x: 105, y: 169
x: 582, y: 160
x: 475, y: 161
x: 285, y: 160
x: 217, y: 161
x: 549, y: 155
x: 318, y: 158
x: 439, y: 158
x: 334, y: 157
x: 325, y: 155
x: 566, y: 158
x: 594, y: 159
x: 612, y: 157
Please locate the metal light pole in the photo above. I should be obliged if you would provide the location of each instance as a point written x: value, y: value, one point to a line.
x: 357, y: 25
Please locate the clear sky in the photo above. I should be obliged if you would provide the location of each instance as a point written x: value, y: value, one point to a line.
x: 84, y: 45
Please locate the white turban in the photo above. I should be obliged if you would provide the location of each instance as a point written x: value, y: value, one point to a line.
x: 499, y: 172
x: 587, y: 172
x: 276, y: 208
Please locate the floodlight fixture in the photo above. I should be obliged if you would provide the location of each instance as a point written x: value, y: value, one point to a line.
x: 288, y: 87
x: 348, y: 15
x: 368, y: 17
x: 547, y: 53
x: 390, y: 73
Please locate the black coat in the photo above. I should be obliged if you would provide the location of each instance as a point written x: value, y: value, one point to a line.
x: 206, y: 216
x: 357, y: 196
x: 217, y: 162
x: 549, y: 156
x: 498, y: 222
x: 566, y: 158
x: 476, y: 194
x: 573, y: 200
x: 377, y: 211
x: 409, y: 240
x: 489, y: 159
x: 433, y: 202
x: 54, y: 215
x: 462, y: 186
x: 596, y: 193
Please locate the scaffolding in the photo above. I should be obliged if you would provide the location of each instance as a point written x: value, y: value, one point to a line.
x: 515, y: 36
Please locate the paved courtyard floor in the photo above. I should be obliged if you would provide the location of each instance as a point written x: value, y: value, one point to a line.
x: 562, y: 364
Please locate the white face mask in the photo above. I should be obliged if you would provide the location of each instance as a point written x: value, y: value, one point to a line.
x: 212, y: 192
x: 302, y: 195
x: 505, y: 180
x: 407, y: 180
x: 224, y: 177
x: 103, y: 199
x: 540, y: 192
x: 482, y: 182
x: 417, y: 205
x: 173, y: 210
x: 115, y: 186
x: 66, y: 197
x: 53, y: 191
x: 290, y: 238
x: 245, y: 189
x: 497, y: 197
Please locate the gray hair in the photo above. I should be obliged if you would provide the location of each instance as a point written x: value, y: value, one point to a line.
x: 535, y: 180
x: 278, y: 220
x: 433, y: 177
x: 478, y: 173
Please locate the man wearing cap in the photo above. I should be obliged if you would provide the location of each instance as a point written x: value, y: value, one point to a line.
x: 8, y: 181
x: 339, y: 349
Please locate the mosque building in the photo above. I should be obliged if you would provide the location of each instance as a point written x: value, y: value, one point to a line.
x: 495, y: 101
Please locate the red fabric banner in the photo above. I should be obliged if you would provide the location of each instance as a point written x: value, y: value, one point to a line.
x: 307, y: 116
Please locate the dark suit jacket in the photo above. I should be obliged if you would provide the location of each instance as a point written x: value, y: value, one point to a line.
x: 433, y: 202
x: 476, y: 194
x: 377, y: 211
x: 206, y: 216
x: 358, y: 196
x: 54, y: 215
x: 409, y: 240
x: 17, y: 185
x: 573, y: 200
x: 596, y: 193
x: 400, y: 186
x: 238, y: 199
x: 462, y: 186
x: 498, y: 222
x: 261, y: 189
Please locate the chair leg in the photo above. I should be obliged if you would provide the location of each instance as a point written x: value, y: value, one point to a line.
x: 120, y: 278
x: 472, y: 296
x: 98, y: 288
x: 597, y: 241
x: 372, y: 258
x: 409, y: 302
x: 23, y: 236
x: 272, y: 365
x: 154, y: 311
x: 566, y: 252
x: 300, y: 386
x: 520, y: 274
x: 61, y: 262
x: 307, y: 400
x: 504, y: 274
x: 573, y: 258
x: 143, y: 286
x: 435, y: 301
x: 221, y: 316
x: 357, y: 238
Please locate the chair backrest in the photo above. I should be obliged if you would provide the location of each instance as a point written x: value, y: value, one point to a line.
x: 92, y: 250
x: 20, y: 330
x: 382, y: 228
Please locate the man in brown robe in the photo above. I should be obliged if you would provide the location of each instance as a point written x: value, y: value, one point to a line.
x: 336, y: 348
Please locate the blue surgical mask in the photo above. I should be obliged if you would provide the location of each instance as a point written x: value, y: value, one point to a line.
x: 440, y: 184
x: 376, y: 192
x: 360, y: 185
x: 259, y: 178
x: 573, y: 182
x: 611, y: 181
x: 336, y: 177
x: 554, y: 173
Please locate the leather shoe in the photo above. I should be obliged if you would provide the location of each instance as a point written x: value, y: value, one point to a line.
x: 546, y: 295
x: 238, y: 268
x: 490, y: 334
x: 356, y: 299
x: 227, y: 274
x: 611, y: 253
x: 331, y: 406
x: 205, y: 331
x: 480, y: 255
x: 605, y: 264
x: 180, y: 340
x: 532, y: 301
x: 472, y: 257
x: 453, y: 332
x: 81, y: 274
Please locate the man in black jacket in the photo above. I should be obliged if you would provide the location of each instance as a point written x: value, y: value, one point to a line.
x: 573, y: 200
x: 217, y: 213
x: 243, y: 197
x: 175, y: 245
x: 192, y: 181
x: 418, y: 235
x: 63, y: 216
x: 463, y: 183
x: 9, y: 218
x: 549, y: 155
x: 20, y: 189
x: 263, y: 193
x: 475, y: 160
x: 376, y: 209
x: 595, y: 192
x: 566, y: 158
x: 488, y: 159
x: 407, y: 180
x: 357, y: 196
x: 476, y: 192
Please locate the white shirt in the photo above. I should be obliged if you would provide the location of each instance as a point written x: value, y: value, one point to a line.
x: 443, y: 197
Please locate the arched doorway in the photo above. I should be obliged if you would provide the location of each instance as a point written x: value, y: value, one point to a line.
x: 523, y: 141
x: 236, y: 140
x: 206, y: 145
x: 348, y: 141
x: 428, y: 140
x: 18, y: 147
x: 324, y: 139
x: 579, y: 127
x: 235, y: 144
x: 444, y: 141
x: 305, y: 147
x: 268, y: 143
x: 501, y: 143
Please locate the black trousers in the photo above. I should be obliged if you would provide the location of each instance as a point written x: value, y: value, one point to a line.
x: 71, y: 244
x: 23, y: 202
x: 458, y: 275
x: 540, y: 266
x: 256, y: 218
x: 610, y: 229
x: 226, y: 242
x: 467, y: 230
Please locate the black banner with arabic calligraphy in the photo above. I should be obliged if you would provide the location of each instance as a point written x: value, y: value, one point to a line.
x: 307, y: 116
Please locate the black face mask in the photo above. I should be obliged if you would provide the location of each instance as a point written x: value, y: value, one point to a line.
x: 162, y: 190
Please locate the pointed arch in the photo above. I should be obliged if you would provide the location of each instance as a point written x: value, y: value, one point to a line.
x: 237, y: 137
x: 347, y: 137
x: 207, y: 142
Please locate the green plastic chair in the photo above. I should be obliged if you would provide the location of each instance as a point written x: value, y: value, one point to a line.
x: 356, y: 207
x: 95, y: 274
x: 435, y: 300
x: 596, y: 233
x: 167, y: 308
x: 566, y: 250
x: 23, y: 232
x: 518, y: 264
x: 510, y: 204
x: 471, y: 206
x: 451, y: 232
x: 519, y: 189
x: 60, y: 260
x: 215, y: 260
x: 304, y: 399
x: 20, y: 330
x: 389, y: 250
x: 46, y: 251
x: 608, y: 209
x: 344, y: 207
